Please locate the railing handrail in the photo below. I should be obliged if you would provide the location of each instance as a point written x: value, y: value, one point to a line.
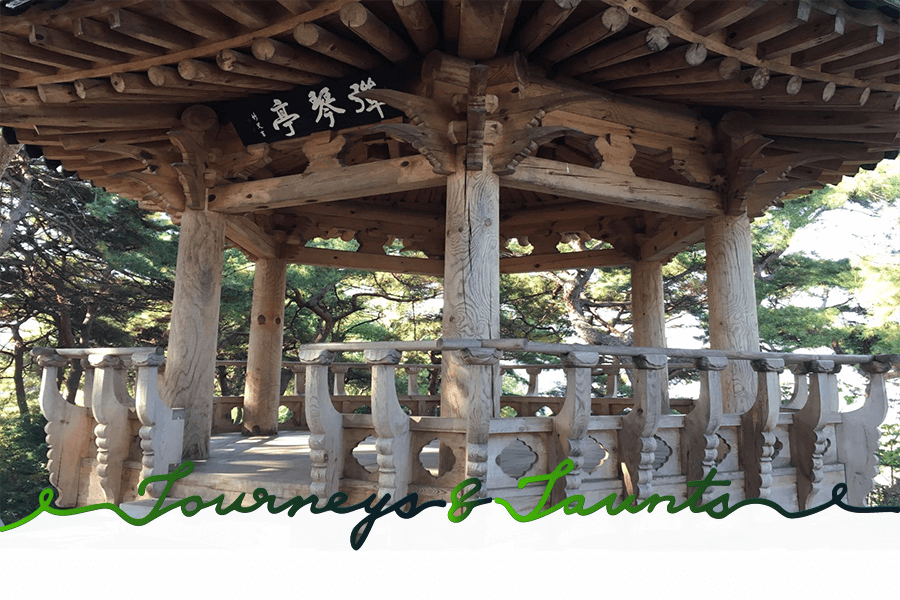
x: 523, y: 345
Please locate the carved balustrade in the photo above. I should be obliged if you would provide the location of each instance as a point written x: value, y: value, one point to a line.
x: 100, y: 449
x: 792, y: 451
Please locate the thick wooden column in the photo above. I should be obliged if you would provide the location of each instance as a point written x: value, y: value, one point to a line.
x: 262, y: 390
x: 732, y: 304
x: 193, y: 331
x: 648, y: 313
x: 471, y: 273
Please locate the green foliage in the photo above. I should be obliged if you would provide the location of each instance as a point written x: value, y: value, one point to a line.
x: 23, y: 472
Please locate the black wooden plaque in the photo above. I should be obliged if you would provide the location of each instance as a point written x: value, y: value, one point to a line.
x: 332, y: 104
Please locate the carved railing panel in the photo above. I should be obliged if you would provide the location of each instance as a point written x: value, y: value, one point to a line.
x: 857, y: 435
x: 637, y: 441
x: 162, y: 428
x: 757, y: 429
x: 700, y: 445
x: 393, y: 442
x: 571, y: 424
x: 811, y: 436
x: 325, y: 426
x: 110, y: 407
x: 68, y: 430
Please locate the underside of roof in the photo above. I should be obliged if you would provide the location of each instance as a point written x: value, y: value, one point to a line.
x: 710, y: 106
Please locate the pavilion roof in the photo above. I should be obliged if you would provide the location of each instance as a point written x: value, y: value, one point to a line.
x: 99, y: 86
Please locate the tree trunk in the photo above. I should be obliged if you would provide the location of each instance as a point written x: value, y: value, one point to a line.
x: 19, y: 371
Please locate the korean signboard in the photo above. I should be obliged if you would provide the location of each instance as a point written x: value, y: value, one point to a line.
x: 296, y: 113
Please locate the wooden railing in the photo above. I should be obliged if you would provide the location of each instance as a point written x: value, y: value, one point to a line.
x: 111, y: 429
x: 792, y: 452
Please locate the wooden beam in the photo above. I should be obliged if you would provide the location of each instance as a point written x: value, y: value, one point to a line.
x: 376, y: 34
x: 64, y: 43
x: 802, y: 37
x: 607, y: 23
x: 547, y: 19
x: 847, y: 45
x: 669, y: 8
x: 101, y: 35
x: 671, y: 59
x: 480, y: 27
x: 324, y: 42
x: 150, y: 30
x: 417, y: 20
x: 771, y: 21
x: 321, y: 257
x: 326, y: 8
x: 358, y: 181
x: 285, y: 55
x: 12, y: 46
x: 885, y: 53
x: 195, y: 70
x: 252, y: 15
x: 250, y: 237
x: 721, y: 69
x: 233, y: 61
x: 636, y: 45
x: 536, y: 263
x: 677, y: 235
x: 722, y: 14
x: 596, y: 185
x: 196, y: 18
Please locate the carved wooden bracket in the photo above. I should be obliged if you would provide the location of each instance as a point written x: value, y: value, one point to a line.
x: 427, y: 130
x: 195, y: 141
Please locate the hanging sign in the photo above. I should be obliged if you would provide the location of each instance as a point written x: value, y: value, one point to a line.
x: 333, y: 104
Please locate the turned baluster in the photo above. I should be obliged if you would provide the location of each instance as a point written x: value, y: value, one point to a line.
x: 808, y: 439
x: 571, y: 424
x: 68, y: 429
x: 857, y: 434
x: 637, y: 443
x: 758, y: 429
x: 110, y: 406
x: 340, y: 377
x: 162, y: 428
x: 701, y: 441
x: 393, y: 439
x: 481, y: 365
x: 326, y: 426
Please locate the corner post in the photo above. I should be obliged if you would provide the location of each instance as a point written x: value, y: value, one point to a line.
x: 262, y: 391
x: 733, y: 323
x: 648, y: 310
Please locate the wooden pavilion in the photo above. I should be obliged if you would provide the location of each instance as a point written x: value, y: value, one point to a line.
x: 457, y: 127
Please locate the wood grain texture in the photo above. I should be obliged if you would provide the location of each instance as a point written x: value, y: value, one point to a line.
x: 733, y: 323
x: 193, y: 330
x: 262, y: 390
x: 648, y: 310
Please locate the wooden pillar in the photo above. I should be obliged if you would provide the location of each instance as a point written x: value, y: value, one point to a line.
x: 194, y: 326
x: 732, y: 304
x: 648, y: 314
x: 471, y: 274
x: 262, y: 390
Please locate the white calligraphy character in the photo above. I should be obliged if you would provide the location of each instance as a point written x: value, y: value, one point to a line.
x: 362, y: 86
x: 324, y: 103
x: 280, y: 109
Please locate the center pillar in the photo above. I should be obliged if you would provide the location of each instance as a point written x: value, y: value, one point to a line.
x: 471, y: 277
x: 733, y: 322
x: 262, y: 391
